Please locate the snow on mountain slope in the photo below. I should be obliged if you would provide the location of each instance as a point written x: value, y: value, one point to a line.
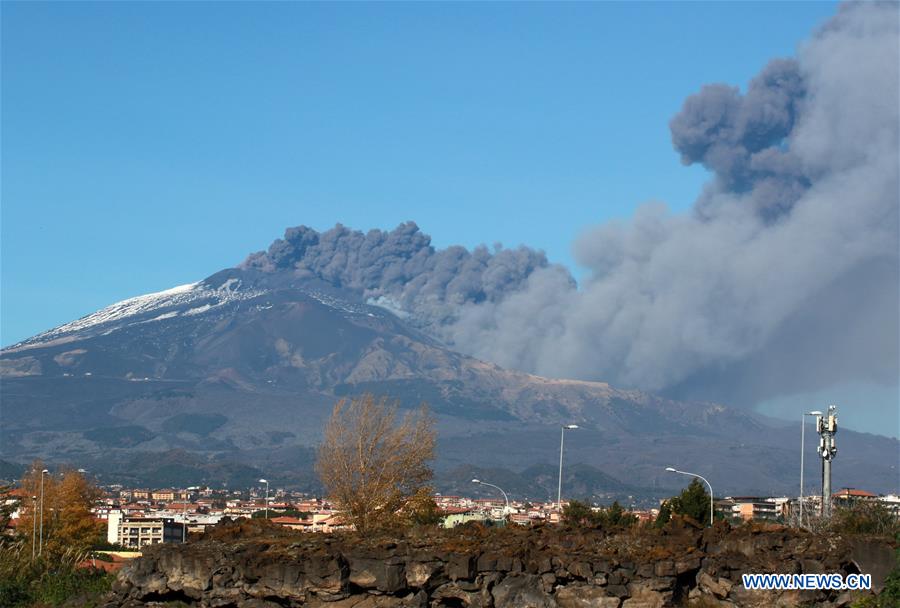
x: 191, y: 299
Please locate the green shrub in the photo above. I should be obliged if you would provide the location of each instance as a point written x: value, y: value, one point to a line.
x: 692, y: 502
x: 577, y: 513
x: 865, y: 517
x: 24, y: 583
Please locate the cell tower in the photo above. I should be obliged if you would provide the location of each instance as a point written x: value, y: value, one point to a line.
x: 826, y: 426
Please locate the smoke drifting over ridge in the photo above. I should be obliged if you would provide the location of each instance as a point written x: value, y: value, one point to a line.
x: 783, y: 279
x: 401, y: 271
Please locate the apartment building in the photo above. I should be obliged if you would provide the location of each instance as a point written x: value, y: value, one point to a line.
x: 163, y: 495
x: 753, y: 507
x: 142, y: 531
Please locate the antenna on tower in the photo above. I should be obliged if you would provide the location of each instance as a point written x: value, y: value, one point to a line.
x: 826, y: 426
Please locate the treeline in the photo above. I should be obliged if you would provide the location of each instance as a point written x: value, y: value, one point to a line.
x: 42, y: 559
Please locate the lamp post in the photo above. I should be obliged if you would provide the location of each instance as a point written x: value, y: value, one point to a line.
x: 562, y: 439
x: 33, y: 526
x: 711, y: 511
x: 484, y: 483
x: 41, y: 533
x: 802, y: 450
x: 266, y: 481
x: 184, y: 515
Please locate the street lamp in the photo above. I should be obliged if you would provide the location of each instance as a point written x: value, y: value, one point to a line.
x: 41, y: 535
x: 562, y: 438
x: 816, y: 413
x: 266, y: 481
x: 184, y: 515
x: 33, y: 526
x: 672, y: 470
x: 484, y: 483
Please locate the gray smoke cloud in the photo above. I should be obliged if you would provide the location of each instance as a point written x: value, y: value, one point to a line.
x: 783, y: 278
x: 739, y: 137
x: 401, y: 271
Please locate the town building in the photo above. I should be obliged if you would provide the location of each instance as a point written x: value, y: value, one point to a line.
x: 163, y: 495
x: 892, y: 502
x: 749, y: 508
x: 847, y: 496
x: 142, y: 531
x: 455, y: 516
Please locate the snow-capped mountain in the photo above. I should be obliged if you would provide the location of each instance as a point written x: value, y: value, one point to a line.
x: 147, y: 308
x: 243, y: 367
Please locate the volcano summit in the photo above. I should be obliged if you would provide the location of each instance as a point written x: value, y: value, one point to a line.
x: 234, y: 375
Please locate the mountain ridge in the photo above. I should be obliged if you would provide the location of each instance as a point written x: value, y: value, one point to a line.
x: 243, y: 367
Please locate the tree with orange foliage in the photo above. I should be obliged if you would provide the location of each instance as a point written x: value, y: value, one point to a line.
x: 372, y: 466
x: 68, y: 524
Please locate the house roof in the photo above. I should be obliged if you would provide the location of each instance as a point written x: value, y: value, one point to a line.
x: 292, y: 521
x: 456, y: 510
x: 852, y: 493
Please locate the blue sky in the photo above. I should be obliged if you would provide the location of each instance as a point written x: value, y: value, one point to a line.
x: 146, y: 145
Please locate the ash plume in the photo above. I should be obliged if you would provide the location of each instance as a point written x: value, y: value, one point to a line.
x: 783, y: 277
x: 401, y: 271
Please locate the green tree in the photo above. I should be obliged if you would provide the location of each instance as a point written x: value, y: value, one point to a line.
x: 578, y: 513
x: 693, y: 502
x: 615, y: 516
x: 665, y: 514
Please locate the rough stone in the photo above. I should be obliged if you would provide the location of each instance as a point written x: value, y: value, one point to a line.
x: 687, y: 564
x: 419, y: 574
x: 370, y: 573
x: 521, y: 591
x: 581, y: 570
x: 602, y: 566
x: 258, y: 603
x: 460, y: 567
x: 649, y: 599
x: 718, y: 587
x: 486, y: 562
x: 452, y: 590
x: 584, y: 596
x: 586, y: 569
x: 548, y: 581
x: 620, y: 591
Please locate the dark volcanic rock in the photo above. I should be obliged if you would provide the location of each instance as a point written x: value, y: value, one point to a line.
x: 261, y: 566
